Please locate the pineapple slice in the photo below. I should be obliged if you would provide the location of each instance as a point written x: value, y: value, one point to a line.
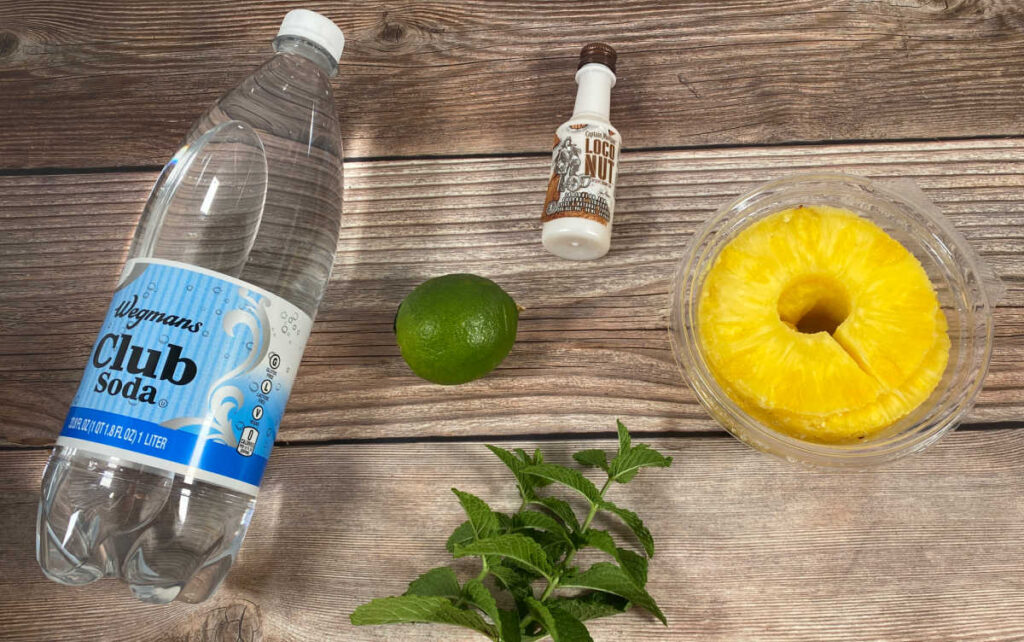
x: 892, y: 324
x: 891, y: 406
x: 820, y: 324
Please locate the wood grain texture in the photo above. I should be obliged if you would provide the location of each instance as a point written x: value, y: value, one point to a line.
x: 103, y: 84
x: 747, y: 547
x: 592, y: 343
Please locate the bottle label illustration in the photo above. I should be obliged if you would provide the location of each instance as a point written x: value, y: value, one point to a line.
x: 190, y: 374
x: 584, y: 166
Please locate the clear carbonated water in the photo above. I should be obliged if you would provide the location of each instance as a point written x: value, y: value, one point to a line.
x: 167, y: 535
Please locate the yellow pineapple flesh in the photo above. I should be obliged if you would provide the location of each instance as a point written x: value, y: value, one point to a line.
x: 819, y: 324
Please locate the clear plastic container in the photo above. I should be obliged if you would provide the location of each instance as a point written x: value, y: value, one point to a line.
x: 967, y: 291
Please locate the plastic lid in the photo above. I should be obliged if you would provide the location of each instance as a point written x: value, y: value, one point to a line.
x: 316, y: 28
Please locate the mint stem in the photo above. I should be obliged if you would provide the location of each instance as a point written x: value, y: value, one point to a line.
x: 553, y: 583
x: 484, y: 571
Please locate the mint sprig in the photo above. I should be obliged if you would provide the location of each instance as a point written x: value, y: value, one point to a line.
x: 529, y: 555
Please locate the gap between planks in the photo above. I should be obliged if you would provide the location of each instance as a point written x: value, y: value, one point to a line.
x: 538, y: 437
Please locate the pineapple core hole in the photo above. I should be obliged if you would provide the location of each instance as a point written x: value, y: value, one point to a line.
x: 814, y: 304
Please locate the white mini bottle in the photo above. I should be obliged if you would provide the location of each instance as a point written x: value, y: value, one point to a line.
x: 580, y: 202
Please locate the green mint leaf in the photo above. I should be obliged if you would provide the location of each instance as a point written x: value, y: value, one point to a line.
x: 542, y: 521
x: 567, y: 476
x: 526, y: 458
x: 505, y: 523
x: 513, y: 580
x: 518, y: 547
x: 625, y: 467
x: 510, y: 626
x: 570, y: 629
x: 478, y: 595
x: 634, y: 523
x: 463, y: 534
x: 511, y: 575
x: 634, y: 565
x: 624, y: 441
x: 591, y: 606
x: 607, y: 577
x: 554, y: 546
x: 483, y: 519
x: 418, y: 608
x: 594, y: 458
x: 522, y: 568
x: 601, y: 540
x: 544, y: 617
x: 560, y: 625
x: 437, y: 582
x: 546, y: 531
x: 561, y: 509
x: 524, y: 482
x: 537, y: 458
x: 625, y: 478
x: 507, y: 458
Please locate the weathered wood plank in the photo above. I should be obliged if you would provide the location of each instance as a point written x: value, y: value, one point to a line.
x: 109, y: 84
x: 747, y: 547
x: 592, y: 343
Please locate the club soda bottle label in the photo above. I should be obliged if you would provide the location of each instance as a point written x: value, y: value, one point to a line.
x: 190, y: 374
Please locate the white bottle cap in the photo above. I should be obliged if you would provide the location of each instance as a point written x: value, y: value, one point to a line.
x: 316, y: 28
x: 575, y: 238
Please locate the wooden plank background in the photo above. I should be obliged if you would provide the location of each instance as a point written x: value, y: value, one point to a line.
x: 115, y: 84
x: 447, y: 109
x: 592, y: 342
x: 747, y: 547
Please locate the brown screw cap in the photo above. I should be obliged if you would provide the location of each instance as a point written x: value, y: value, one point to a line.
x: 600, y: 53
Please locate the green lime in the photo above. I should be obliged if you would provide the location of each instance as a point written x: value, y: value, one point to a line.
x: 456, y: 328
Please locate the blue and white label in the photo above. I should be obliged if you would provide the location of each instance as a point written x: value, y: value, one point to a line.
x: 190, y: 373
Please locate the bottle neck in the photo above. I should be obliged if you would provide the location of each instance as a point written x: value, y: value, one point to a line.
x: 308, y: 50
x: 594, y: 92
